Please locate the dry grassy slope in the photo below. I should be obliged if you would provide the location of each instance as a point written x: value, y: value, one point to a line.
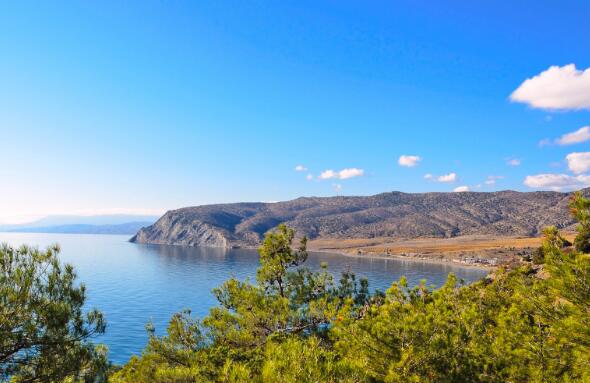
x: 389, y: 215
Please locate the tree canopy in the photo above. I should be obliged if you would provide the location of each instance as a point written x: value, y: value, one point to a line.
x: 44, y: 332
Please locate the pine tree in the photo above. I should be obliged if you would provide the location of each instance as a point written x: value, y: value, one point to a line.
x: 44, y: 333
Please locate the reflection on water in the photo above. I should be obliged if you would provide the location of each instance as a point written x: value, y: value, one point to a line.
x: 133, y: 284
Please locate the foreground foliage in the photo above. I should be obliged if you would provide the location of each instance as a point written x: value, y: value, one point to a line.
x: 43, y: 331
x: 531, y: 324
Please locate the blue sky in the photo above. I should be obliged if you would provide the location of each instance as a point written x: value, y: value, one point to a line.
x: 147, y: 106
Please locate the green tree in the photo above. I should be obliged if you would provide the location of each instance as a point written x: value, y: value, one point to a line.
x: 580, y: 209
x: 44, y: 333
x: 530, y: 324
x: 288, y: 308
x: 277, y: 256
x: 309, y: 360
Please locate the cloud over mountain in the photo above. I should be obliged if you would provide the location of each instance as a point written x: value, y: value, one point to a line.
x: 557, y: 182
x: 447, y: 178
x: 491, y: 180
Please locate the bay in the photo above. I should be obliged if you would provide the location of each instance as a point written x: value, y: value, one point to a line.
x: 133, y: 284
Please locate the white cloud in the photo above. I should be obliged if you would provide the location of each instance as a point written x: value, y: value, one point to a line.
x: 309, y: 177
x: 300, y: 168
x: 580, y: 135
x: 460, y: 189
x: 557, y: 182
x: 513, y: 162
x: 578, y: 162
x: 451, y: 177
x: 557, y: 88
x: 337, y: 188
x: 350, y: 173
x: 327, y: 174
x: 447, y: 178
x: 409, y: 161
x: 491, y: 180
x: 342, y: 174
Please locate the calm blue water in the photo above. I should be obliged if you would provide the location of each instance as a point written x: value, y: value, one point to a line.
x: 133, y: 284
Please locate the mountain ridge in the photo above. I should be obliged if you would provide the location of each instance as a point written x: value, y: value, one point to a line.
x: 391, y: 214
x: 121, y: 228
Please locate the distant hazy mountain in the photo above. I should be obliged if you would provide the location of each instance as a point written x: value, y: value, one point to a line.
x: 394, y: 215
x: 123, y: 228
x: 99, y: 224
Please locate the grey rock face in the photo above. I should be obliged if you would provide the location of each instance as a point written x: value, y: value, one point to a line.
x: 395, y: 215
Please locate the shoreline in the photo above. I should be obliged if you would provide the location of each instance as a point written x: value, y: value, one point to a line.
x: 351, y: 255
x: 366, y: 255
x: 437, y: 261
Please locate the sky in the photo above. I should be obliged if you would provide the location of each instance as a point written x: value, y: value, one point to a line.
x: 140, y: 107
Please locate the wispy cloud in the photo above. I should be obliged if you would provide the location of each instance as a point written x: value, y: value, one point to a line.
x: 445, y: 178
x: 342, y: 174
x: 309, y: 177
x: 572, y: 138
x: 544, y: 142
x: 408, y: 161
x: 300, y: 168
x: 557, y: 88
x: 513, y: 161
x: 491, y: 180
x: 580, y: 135
x: 460, y: 189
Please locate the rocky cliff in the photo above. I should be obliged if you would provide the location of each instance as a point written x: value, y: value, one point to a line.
x: 395, y: 215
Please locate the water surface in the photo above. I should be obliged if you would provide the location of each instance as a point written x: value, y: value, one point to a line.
x: 133, y: 284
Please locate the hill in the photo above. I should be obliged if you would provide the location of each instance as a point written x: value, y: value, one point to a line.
x: 388, y: 215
